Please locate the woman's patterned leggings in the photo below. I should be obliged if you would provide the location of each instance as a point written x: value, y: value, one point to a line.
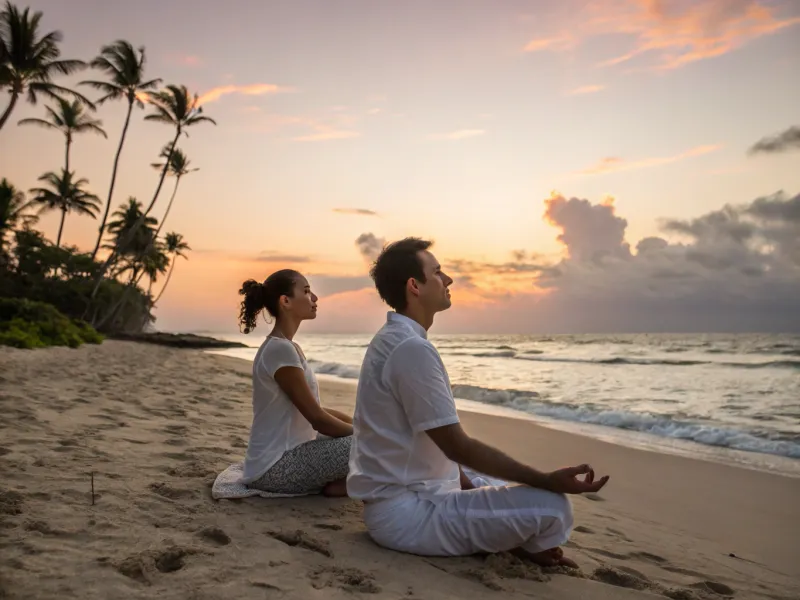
x: 306, y: 468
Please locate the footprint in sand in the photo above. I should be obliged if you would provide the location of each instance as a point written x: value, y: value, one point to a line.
x: 266, y: 586
x: 173, y: 493
x: 215, y: 535
x: 713, y: 586
x: 350, y: 580
x: 682, y: 571
x: 177, y: 455
x: 135, y: 441
x: 46, y: 529
x: 176, y: 442
x: 11, y: 502
x: 330, y: 526
x: 647, y: 556
x: 171, y: 559
x: 613, y: 576
x: 139, y: 566
x: 194, y: 469
x: 583, y: 529
x: 176, y: 429
x: 302, y: 539
x: 4, y: 451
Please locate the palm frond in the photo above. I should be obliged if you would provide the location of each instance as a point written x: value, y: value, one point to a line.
x: 111, y: 91
x: 57, y: 92
x: 38, y: 122
x: 200, y: 119
x: 66, y: 67
x: 93, y: 127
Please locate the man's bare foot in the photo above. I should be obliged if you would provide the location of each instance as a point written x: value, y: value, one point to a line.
x: 335, y: 489
x: 554, y: 557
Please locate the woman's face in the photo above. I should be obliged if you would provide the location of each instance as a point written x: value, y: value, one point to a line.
x: 303, y: 303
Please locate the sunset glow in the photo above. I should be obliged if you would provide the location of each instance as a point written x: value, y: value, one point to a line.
x: 345, y: 125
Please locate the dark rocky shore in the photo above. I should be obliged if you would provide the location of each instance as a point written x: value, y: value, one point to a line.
x: 177, y: 340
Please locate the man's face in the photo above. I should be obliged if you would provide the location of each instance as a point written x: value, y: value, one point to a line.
x: 434, y: 294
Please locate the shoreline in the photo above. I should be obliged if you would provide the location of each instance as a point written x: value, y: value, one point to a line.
x: 757, y: 461
x: 149, y: 441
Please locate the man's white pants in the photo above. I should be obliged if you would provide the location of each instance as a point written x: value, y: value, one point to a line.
x: 485, y: 519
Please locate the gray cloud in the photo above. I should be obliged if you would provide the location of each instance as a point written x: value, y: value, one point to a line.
x: 271, y: 256
x: 782, y: 142
x: 588, y: 231
x: 356, y: 211
x: 370, y: 246
x: 328, y: 285
x: 735, y: 269
x: 470, y: 267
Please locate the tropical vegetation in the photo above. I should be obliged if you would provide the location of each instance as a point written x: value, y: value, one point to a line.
x: 56, y: 294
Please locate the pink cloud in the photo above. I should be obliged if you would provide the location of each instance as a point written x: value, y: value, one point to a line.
x: 586, y: 89
x: 316, y: 130
x: 612, y: 164
x: 676, y: 33
x: 556, y: 43
x: 186, y: 60
x: 256, y: 89
x: 323, y: 132
x: 695, y: 32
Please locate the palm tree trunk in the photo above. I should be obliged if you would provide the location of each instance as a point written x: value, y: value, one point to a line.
x: 9, y: 108
x: 134, y: 230
x: 114, y: 309
x: 132, y: 284
x: 113, y: 178
x: 163, y: 175
x: 171, y: 200
x: 66, y: 155
x: 166, y: 283
x: 61, y: 227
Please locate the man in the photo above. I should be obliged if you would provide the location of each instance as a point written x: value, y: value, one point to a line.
x: 408, y: 444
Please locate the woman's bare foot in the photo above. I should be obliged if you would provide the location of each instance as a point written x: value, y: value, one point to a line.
x: 335, y: 489
x: 554, y: 557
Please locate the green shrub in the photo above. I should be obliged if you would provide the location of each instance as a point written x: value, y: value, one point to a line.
x: 28, y: 324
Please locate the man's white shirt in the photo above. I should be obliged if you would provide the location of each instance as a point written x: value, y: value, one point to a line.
x: 403, y: 391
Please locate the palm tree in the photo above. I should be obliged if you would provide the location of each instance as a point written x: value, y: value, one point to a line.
x: 124, y: 67
x: 29, y: 61
x: 175, y: 246
x: 12, y: 210
x: 173, y: 106
x: 69, y: 119
x: 65, y: 194
x: 176, y: 107
x: 178, y: 166
x: 123, y: 221
x: 154, y: 263
x: 143, y: 255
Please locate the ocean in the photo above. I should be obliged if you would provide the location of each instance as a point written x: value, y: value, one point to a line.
x: 728, y: 398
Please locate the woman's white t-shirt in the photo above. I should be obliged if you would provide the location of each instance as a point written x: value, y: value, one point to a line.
x: 277, y: 424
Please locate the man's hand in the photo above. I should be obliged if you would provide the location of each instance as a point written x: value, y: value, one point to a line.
x: 567, y: 481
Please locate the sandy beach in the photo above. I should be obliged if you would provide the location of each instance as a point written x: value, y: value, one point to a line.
x: 152, y: 427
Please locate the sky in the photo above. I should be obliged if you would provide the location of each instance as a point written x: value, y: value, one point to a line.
x: 582, y: 166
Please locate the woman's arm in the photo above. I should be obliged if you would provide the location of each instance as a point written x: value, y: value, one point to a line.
x: 292, y: 381
x: 339, y: 415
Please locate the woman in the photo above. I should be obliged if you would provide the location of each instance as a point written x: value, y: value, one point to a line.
x: 285, y: 455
